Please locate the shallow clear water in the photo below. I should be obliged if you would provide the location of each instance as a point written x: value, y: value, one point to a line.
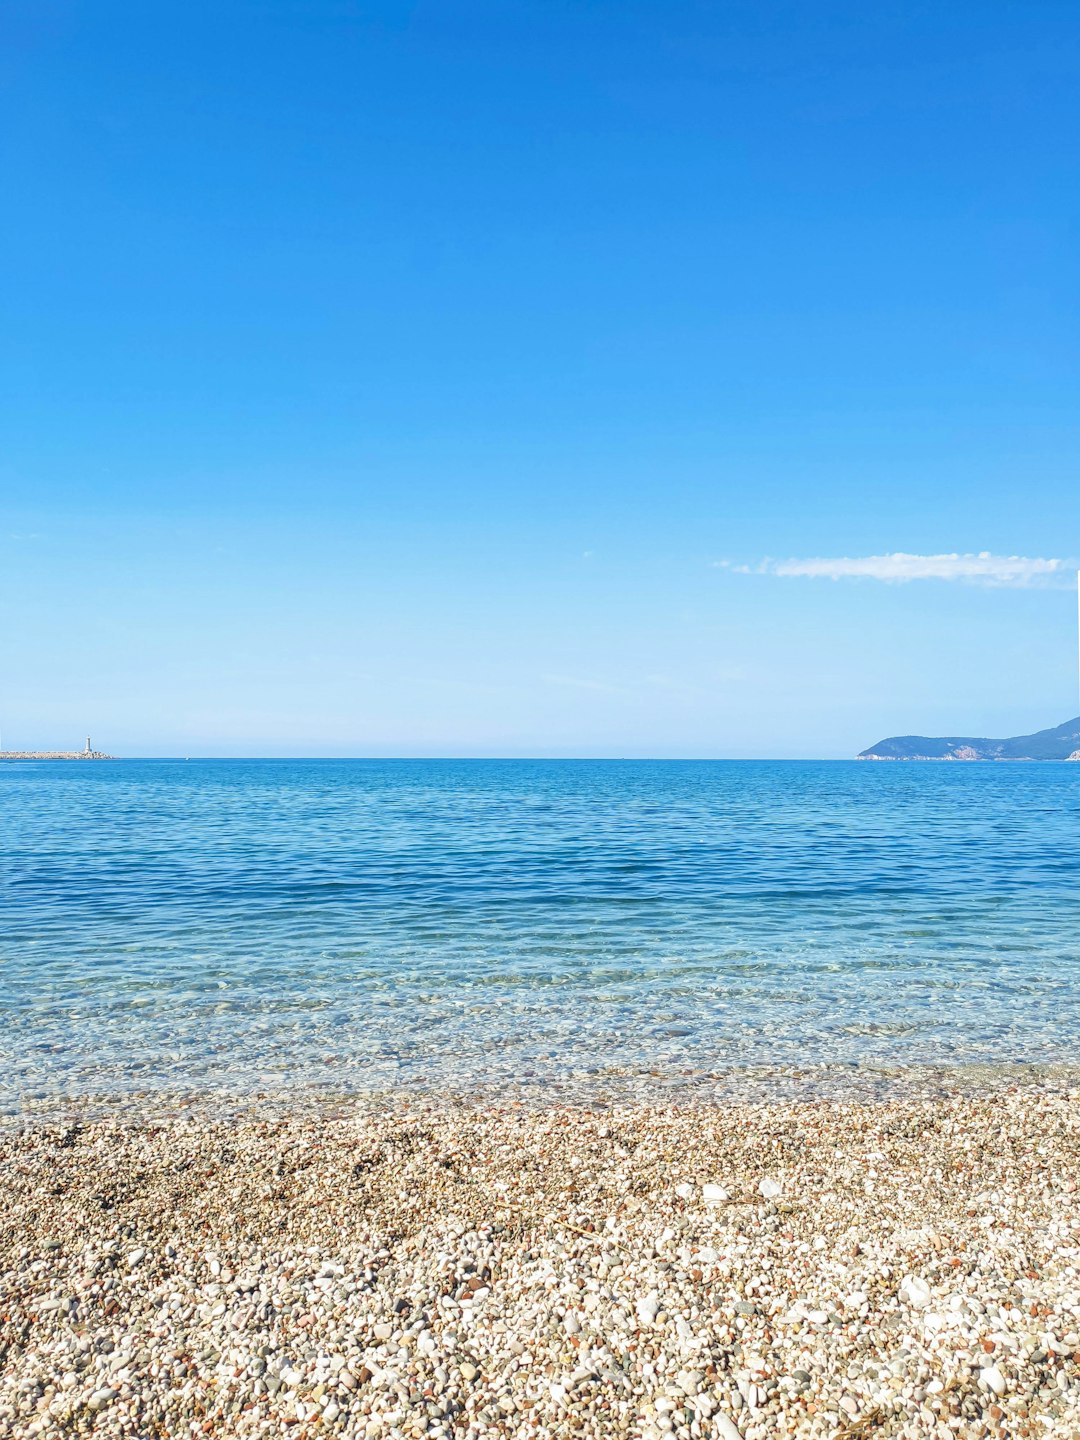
x: 359, y: 925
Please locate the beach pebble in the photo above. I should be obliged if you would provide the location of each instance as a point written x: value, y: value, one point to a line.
x: 914, y: 1291
x: 770, y: 1189
x: 350, y: 1252
x: 993, y: 1379
x: 714, y: 1194
x: 725, y: 1428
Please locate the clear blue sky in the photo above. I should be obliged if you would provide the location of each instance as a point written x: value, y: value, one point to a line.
x: 391, y: 379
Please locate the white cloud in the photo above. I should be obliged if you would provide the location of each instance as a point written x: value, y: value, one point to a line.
x: 981, y: 569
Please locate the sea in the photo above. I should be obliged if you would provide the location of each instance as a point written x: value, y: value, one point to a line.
x: 263, y: 932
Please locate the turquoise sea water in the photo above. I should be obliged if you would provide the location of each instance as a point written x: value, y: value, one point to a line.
x: 236, y: 926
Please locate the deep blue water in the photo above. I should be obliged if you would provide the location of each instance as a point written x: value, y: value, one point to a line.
x: 361, y: 925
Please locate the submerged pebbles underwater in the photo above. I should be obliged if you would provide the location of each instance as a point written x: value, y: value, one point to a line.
x: 903, y: 1268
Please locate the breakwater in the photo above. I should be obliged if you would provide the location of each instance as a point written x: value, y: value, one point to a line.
x: 54, y: 755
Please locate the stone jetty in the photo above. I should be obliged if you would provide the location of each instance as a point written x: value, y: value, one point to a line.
x: 87, y: 753
x: 54, y: 755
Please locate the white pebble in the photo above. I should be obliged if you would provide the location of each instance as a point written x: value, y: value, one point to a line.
x: 726, y: 1427
x: 993, y: 1379
x: 914, y: 1291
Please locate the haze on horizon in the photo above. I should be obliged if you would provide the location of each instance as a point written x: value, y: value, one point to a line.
x: 520, y: 379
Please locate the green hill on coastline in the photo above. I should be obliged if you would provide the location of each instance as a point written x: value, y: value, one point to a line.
x: 1061, y: 743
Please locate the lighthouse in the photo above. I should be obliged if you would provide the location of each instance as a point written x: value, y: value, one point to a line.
x: 88, y: 751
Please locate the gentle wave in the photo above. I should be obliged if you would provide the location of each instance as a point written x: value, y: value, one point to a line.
x: 377, y: 925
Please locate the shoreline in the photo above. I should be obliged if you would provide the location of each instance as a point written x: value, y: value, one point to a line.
x: 904, y: 1267
x: 753, y: 1086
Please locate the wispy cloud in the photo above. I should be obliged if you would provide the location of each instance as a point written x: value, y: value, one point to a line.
x: 980, y: 569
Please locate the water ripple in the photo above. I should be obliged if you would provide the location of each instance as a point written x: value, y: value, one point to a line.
x: 177, y: 925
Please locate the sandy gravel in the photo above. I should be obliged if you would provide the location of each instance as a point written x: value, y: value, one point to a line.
x: 896, y: 1269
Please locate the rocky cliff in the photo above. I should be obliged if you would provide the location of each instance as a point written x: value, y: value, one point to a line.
x: 1061, y: 743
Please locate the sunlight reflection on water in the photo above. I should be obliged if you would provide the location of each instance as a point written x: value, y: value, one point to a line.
x: 376, y: 925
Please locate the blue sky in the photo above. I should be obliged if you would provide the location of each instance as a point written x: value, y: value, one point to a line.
x: 404, y: 379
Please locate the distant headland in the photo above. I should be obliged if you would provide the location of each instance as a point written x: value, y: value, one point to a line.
x: 1061, y: 743
x: 88, y: 753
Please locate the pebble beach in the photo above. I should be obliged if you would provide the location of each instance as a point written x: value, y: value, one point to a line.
x: 901, y: 1268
